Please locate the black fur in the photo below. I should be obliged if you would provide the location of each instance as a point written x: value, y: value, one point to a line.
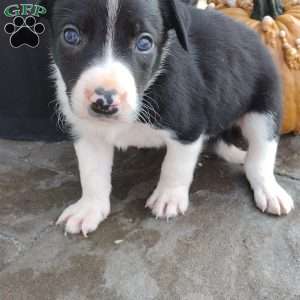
x: 227, y: 73
x: 217, y: 70
x: 190, y: 2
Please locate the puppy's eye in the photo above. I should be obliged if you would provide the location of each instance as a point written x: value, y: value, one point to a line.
x: 144, y: 43
x: 72, y: 36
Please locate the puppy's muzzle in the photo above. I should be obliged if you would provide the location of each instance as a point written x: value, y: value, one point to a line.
x: 105, y: 102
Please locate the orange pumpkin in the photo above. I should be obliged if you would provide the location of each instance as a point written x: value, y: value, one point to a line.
x: 278, y: 23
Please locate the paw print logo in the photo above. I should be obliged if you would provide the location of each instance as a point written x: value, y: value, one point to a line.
x: 24, y: 32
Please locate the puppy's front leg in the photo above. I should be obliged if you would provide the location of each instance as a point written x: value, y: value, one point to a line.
x: 171, y: 195
x: 95, y: 164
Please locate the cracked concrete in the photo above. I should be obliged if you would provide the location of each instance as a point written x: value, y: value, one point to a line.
x: 223, y: 248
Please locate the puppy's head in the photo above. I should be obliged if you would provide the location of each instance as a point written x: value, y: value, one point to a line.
x: 108, y: 51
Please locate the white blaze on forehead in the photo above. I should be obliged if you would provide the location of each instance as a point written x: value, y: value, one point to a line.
x: 112, y: 15
x: 108, y: 73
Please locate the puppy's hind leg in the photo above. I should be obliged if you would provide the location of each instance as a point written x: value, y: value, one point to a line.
x: 260, y: 130
x: 224, y: 148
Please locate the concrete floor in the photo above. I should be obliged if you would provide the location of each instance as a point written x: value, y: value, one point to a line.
x: 223, y: 248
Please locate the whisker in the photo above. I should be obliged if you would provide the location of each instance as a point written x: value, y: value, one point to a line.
x: 151, y: 99
x: 140, y: 116
x: 147, y: 116
x: 150, y: 107
x: 61, y: 120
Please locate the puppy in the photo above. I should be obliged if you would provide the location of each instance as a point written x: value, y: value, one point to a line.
x: 159, y: 73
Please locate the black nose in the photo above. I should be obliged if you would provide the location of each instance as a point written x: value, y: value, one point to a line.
x: 107, y: 97
x: 104, y: 102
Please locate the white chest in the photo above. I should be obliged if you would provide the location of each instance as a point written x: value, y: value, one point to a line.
x: 124, y: 135
x: 136, y: 135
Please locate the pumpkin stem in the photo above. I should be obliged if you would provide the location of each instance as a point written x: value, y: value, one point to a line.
x: 262, y: 8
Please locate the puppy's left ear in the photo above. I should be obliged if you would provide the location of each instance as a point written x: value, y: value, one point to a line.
x: 177, y: 17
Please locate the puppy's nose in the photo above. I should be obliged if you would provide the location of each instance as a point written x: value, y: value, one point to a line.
x: 104, y: 101
x: 107, y: 97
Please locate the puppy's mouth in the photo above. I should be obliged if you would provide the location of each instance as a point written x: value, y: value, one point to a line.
x: 98, y: 110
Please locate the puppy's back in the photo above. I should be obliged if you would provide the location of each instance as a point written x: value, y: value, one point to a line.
x: 218, y: 37
x: 235, y: 66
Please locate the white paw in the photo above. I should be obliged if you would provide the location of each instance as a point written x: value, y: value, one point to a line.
x: 168, y: 202
x: 84, y: 216
x: 273, y: 199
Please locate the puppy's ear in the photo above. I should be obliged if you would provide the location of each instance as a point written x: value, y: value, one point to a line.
x: 176, y: 17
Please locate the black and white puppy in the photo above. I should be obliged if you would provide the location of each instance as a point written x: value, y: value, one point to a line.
x: 154, y: 73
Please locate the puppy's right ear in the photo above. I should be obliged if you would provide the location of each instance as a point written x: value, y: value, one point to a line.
x: 176, y: 16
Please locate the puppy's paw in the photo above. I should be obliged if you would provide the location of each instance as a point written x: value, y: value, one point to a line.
x: 168, y: 202
x: 84, y: 216
x: 273, y: 199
